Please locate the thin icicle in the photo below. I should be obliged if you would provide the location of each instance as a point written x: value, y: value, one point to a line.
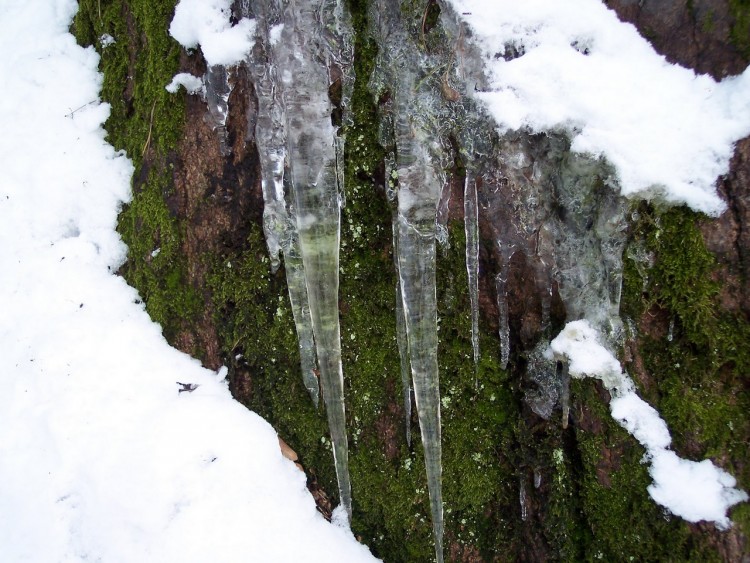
x: 471, y: 226
x: 297, y: 286
x: 501, y: 285
x: 417, y: 276
x: 403, y: 343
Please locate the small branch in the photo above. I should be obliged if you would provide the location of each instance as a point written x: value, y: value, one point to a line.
x: 150, y: 128
x: 80, y: 108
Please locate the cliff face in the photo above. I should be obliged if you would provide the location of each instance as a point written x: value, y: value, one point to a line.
x: 516, y: 485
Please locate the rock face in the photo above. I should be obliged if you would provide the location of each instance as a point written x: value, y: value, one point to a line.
x: 516, y: 484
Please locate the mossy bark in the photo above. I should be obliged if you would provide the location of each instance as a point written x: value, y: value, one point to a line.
x: 198, y: 258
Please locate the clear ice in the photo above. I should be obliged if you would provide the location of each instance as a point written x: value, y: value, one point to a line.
x: 402, y: 339
x: 299, y: 54
x: 279, y: 223
x: 417, y: 163
x: 501, y: 287
x: 471, y: 226
x: 217, y: 94
x: 557, y: 209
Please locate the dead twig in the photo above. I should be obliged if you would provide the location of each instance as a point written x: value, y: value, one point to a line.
x: 150, y: 129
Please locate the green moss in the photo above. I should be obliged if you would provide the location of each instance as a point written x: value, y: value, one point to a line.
x: 740, y: 31
x: 136, y: 68
x: 696, y: 352
x: 145, y: 121
x: 624, y: 524
x: 156, y: 265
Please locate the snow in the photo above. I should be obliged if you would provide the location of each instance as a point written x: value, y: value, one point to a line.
x: 691, y: 490
x: 668, y: 132
x: 100, y: 457
x: 193, y: 84
x: 207, y: 23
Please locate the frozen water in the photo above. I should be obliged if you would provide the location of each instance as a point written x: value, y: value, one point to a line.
x: 471, y: 226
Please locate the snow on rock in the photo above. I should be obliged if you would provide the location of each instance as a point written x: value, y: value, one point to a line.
x: 574, y: 66
x: 101, y: 458
x: 207, y: 23
x: 691, y: 490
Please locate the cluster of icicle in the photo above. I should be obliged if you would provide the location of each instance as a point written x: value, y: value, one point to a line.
x: 428, y: 123
x: 301, y: 48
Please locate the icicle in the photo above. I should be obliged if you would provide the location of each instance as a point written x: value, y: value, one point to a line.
x: 565, y: 393
x: 501, y: 285
x: 544, y: 259
x: 279, y: 225
x: 417, y: 276
x: 303, y: 73
x: 537, y: 478
x: 403, y: 344
x: 217, y: 99
x: 297, y: 286
x: 419, y: 189
x: 270, y: 134
x: 418, y: 153
x: 471, y: 226
x: 522, y: 499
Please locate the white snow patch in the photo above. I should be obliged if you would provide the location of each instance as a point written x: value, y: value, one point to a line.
x: 574, y: 66
x: 106, y: 40
x: 101, y: 459
x: 193, y: 84
x: 691, y: 490
x: 207, y: 23
x: 274, y: 36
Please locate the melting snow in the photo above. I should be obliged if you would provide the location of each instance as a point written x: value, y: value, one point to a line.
x: 692, y: 490
x: 574, y: 66
x: 207, y: 23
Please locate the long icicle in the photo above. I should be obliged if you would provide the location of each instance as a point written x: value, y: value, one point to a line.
x: 402, y: 340
x: 417, y: 276
x: 471, y: 227
x: 279, y: 228
x: 313, y: 160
